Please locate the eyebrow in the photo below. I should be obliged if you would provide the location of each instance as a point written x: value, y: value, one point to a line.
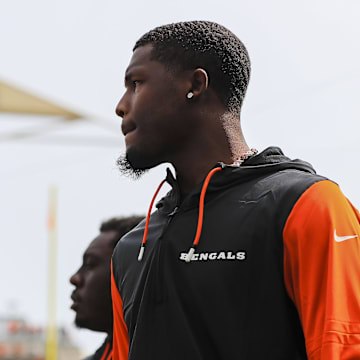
x: 90, y: 255
x: 129, y: 73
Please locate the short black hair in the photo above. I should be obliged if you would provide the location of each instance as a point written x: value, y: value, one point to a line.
x: 206, y: 45
x: 121, y: 225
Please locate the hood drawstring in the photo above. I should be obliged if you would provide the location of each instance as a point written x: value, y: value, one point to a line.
x: 200, y: 217
x: 106, y: 355
x: 201, y: 213
x: 142, y: 248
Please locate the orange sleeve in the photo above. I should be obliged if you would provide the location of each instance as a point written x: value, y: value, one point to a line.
x: 120, y: 331
x: 322, y: 271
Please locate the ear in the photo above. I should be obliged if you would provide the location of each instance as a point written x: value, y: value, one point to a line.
x: 199, y: 82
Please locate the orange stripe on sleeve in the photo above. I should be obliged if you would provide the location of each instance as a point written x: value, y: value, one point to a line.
x: 322, y: 271
x: 120, y: 331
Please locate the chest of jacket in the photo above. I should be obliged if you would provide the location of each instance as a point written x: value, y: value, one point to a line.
x: 234, y: 281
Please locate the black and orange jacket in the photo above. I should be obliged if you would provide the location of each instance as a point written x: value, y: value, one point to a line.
x: 276, y: 273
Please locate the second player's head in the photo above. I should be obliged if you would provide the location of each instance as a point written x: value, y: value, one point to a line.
x: 91, y: 297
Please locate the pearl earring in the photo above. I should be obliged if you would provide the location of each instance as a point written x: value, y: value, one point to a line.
x: 190, y: 95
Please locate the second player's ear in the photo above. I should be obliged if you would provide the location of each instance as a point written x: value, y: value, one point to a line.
x: 199, y: 82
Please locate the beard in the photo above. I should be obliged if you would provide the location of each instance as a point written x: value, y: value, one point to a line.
x: 128, y: 169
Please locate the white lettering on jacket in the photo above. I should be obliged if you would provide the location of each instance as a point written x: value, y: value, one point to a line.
x: 222, y: 255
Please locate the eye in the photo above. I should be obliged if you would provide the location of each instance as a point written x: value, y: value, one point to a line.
x: 89, y: 263
x: 136, y: 83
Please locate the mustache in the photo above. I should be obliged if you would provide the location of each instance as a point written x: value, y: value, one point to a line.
x: 75, y: 296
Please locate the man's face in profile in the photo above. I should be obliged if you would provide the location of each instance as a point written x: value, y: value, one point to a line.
x: 153, y: 112
x: 91, y: 297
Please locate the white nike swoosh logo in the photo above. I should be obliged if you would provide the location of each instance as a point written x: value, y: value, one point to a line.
x: 343, y: 238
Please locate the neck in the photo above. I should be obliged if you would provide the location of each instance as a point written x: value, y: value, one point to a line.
x: 195, y: 162
x: 235, y: 138
x: 216, y: 136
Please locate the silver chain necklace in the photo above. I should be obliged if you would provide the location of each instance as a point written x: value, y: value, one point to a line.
x: 244, y: 157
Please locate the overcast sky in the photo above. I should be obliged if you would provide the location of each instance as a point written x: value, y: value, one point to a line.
x: 303, y: 97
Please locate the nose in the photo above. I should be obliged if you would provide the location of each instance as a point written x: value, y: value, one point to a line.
x: 75, y: 279
x: 122, y: 108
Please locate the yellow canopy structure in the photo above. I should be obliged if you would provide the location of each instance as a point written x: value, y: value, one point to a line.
x: 52, y: 118
x: 14, y: 100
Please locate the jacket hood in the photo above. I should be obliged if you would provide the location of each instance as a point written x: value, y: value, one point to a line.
x: 273, y: 156
x: 271, y: 160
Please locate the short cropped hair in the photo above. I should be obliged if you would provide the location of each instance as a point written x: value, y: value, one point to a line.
x: 121, y: 225
x: 207, y: 45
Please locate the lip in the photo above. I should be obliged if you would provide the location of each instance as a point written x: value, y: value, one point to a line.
x: 129, y: 134
x: 74, y: 306
x: 127, y: 127
x: 131, y: 138
x: 76, y: 301
x: 75, y: 297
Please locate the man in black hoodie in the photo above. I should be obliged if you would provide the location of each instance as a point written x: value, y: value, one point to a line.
x: 249, y: 256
